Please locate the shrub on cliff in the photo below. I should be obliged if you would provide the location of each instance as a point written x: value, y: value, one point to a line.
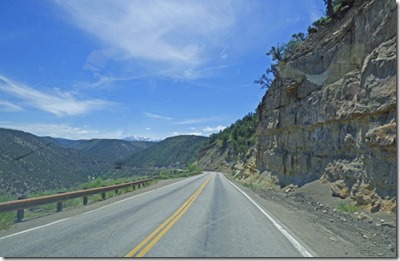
x: 279, y: 53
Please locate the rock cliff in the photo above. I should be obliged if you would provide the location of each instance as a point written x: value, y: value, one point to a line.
x: 331, y: 113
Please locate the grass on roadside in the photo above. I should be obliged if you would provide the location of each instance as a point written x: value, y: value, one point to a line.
x: 7, y: 219
x: 347, y: 208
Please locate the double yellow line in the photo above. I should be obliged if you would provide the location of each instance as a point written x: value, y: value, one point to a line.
x: 154, y: 237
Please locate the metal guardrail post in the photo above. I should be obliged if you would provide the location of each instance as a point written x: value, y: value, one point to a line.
x: 85, y: 200
x: 20, y: 212
x: 59, y: 204
x: 103, y: 194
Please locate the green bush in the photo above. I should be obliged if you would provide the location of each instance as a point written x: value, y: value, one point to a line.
x: 347, y: 208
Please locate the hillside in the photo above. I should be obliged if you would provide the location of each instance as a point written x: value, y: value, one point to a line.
x: 111, y: 150
x: 173, y: 152
x: 329, y: 114
x: 233, y: 145
x: 29, y: 163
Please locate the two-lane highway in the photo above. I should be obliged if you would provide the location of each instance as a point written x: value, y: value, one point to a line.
x: 202, y: 216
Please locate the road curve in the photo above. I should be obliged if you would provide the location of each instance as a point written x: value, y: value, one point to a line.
x: 202, y: 216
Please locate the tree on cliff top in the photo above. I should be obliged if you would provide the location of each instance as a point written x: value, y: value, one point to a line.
x: 278, y: 54
x: 329, y: 7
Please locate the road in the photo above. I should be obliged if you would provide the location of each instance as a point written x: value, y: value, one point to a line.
x: 202, y: 216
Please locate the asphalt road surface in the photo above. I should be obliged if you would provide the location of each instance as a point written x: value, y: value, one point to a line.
x: 202, y: 216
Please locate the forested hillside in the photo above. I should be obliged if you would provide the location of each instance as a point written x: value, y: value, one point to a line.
x: 234, y: 144
x: 238, y: 137
x: 29, y: 163
x: 112, y: 150
x: 173, y: 152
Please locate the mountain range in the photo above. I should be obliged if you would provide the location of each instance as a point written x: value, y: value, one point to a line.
x: 173, y: 152
x: 29, y: 163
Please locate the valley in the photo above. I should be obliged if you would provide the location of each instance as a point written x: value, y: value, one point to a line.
x: 30, y: 164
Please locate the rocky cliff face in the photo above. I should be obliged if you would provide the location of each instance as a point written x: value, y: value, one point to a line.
x: 331, y: 115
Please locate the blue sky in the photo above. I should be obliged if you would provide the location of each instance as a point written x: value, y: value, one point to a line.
x: 112, y: 69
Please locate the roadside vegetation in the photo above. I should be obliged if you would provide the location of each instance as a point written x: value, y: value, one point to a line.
x: 7, y: 219
x: 347, y: 208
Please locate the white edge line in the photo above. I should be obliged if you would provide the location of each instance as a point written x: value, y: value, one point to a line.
x: 25, y: 231
x: 61, y: 220
x: 292, y: 240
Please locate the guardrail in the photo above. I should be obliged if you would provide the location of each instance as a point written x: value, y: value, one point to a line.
x: 24, y: 203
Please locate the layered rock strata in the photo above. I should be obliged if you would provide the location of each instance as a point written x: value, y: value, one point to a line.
x: 331, y: 114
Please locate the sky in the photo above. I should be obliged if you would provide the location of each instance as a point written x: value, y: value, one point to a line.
x: 80, y: 69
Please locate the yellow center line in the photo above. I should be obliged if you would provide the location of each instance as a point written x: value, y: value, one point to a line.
x: 156, y: 235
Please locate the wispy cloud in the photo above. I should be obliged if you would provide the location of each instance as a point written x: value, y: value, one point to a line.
x: 58, y: 103
x: 63, y: 131
x: 205, y: 131
x: 98, y: 59
x: 196, y: 133
x: 8, y: 106
x: 200, y: 120
x: 104, y: 81
x: 171, y: 34
x: 224, y: 54
x: 157, y: 116
x: 213, y: 129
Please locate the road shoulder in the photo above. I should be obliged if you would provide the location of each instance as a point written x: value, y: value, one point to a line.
x: 67, y: 213
x: 325, y: 233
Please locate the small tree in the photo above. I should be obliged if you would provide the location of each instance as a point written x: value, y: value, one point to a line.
x: 278, y: 53
x: 329, y: 7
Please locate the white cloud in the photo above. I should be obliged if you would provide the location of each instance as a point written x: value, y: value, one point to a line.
x: 178, y: 35
x: 58, y: 103
x: 205, y: 131
x: 63, y: 131
x: 8, y: 106
x: 98, y: 59
x: 199, y: 120
x: 214, y: 129
x: 224, y: 54
x: 104, y: 81
x: 157, y: 116
x: 196, y: 133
